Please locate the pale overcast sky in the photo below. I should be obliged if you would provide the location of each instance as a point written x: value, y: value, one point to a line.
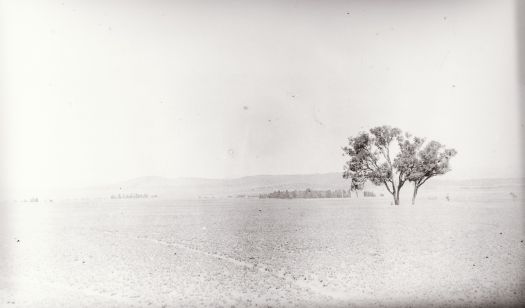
x: 95, y: 92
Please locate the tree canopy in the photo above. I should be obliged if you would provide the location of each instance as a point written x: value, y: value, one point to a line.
x: 370, y: 158
x: 386, y: 156
x: 427, y: 162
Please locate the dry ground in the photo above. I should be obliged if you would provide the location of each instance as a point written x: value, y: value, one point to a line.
x: 250, y: 252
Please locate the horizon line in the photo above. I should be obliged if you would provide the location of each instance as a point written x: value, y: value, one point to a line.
x: 101, y: 184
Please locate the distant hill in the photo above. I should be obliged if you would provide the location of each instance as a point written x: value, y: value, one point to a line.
x: 254, y: 185
x: 192, y: 188
x: 250, y: 185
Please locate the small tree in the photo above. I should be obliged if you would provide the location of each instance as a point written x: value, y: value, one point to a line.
x: 422, y: 163
x: 357, y: 180
x: 434, y: 160
x: 406, y: 162
x: 357, y: 184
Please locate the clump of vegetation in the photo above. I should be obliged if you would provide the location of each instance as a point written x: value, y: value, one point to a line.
x: 369, y: 193
x: 306, y: 194
x: 132, y: 196
x: 386, y: 156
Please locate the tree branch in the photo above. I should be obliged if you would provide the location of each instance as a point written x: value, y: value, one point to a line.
x: 388, y: 188
x: 424, y: 180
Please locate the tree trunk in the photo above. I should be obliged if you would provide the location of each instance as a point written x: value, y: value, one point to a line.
x: 395, y: 194
x: 415, y: 194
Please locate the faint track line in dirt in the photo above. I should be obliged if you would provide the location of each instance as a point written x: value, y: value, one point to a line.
x: 214, y: 255
x: 290, y: 279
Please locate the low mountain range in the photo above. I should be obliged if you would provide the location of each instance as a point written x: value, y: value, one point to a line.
x: 252, y: 186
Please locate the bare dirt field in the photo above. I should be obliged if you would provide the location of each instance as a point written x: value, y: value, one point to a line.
x: 251, y: 252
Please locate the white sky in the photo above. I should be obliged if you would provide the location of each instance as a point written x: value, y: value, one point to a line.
x: 101, y: 91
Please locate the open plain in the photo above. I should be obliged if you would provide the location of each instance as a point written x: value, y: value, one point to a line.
x: 253, y: 252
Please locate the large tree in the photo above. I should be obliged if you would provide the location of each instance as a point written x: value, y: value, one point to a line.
x: 370, y: 158
x: 420, y: 163
x: 387, y: 157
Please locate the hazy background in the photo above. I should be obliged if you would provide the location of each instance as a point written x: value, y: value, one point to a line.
x: 103, y: 91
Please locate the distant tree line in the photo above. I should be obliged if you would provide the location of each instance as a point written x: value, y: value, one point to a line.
x: 132, y: 196
x: 312, y: 194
